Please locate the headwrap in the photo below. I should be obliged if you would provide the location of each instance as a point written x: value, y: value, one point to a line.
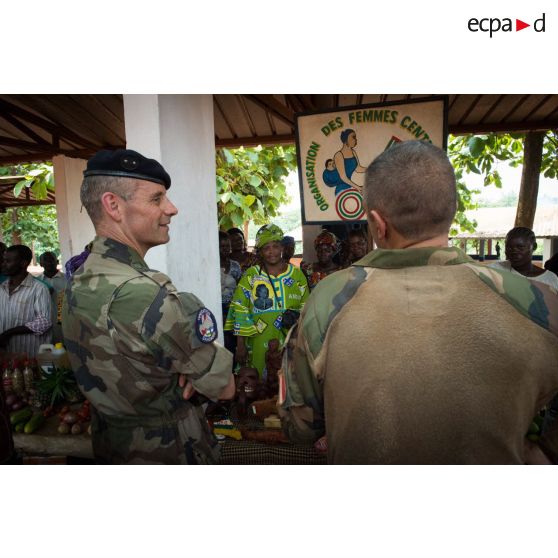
x: 268, y: 233
x: 75, y: 262
x: 326, y: 237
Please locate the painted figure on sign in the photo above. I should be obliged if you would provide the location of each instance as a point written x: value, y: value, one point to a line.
x: 339, y: 170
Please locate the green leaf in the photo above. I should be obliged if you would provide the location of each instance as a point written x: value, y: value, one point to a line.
x: 20, y: 186
x: 40, y: 190
x: 472, y: 167
x: 249, y: 200
x: 226, y: 197
x: 255, y: 180
x: 278, y: 172
x: 228, y: 156
x: 237, y: 219
x: 476, y: 146
x: 252, y: 156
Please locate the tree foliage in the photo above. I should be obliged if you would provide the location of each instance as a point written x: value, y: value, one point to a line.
x: 250, y: 183
x: 479, y: 154
x: 34, y: 226
x: 38, y: 177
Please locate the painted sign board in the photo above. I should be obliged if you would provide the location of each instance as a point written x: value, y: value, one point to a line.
x: 335, y: 147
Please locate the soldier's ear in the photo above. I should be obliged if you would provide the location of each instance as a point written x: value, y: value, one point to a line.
x: 378, y: 225
x: 112, y: 205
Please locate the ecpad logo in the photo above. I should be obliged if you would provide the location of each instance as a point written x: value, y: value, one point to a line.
x: 494, y: 24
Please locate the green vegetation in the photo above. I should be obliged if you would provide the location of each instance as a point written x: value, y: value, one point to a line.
x: 250, y: 184
x: 34, y: 226
x: 479, y: 154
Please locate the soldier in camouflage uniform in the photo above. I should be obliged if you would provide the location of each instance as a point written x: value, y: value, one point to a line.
x: 142, y: 353
x: 416, y: 354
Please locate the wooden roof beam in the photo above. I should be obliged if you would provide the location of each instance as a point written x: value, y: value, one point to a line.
x: 271, y: 104
x: 286, y: 139
x: 51, y: 127
x: 47, y: 155
x: 511, y: 127
x: 246, y: 112
x: 25, y: 129
x: 20, y: 144
x: 224, y: 116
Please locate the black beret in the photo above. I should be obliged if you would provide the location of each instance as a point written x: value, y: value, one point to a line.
x: 127, y: 163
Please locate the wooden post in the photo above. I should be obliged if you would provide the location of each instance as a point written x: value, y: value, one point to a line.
x: 16, y: 236
x: 529, y: 189
x: 245, y: 227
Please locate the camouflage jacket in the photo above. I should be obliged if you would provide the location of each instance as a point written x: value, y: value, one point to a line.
x: 129, y: 335
x: 422, y: 356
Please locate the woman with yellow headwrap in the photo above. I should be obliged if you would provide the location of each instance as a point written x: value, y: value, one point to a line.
x: 267, y: 300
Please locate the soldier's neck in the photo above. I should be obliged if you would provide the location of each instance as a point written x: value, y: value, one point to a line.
x: 120, y: 236
x: 398, y: 242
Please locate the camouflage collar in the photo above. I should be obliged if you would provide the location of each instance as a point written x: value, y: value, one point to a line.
x: 110, y: 248
x: 413, y: 257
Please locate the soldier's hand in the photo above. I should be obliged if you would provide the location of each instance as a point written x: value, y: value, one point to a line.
x: 187, y: 385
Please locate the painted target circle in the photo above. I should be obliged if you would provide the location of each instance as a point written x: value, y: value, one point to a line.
x: 349, y: 205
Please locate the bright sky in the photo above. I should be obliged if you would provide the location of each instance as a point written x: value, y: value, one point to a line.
x: 511, y: 179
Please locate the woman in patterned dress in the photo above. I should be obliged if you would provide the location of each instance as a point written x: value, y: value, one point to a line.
x: 266, y: 302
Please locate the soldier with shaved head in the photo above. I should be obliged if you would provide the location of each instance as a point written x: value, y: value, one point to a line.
x: 144, y: 354
x: 415, y: 354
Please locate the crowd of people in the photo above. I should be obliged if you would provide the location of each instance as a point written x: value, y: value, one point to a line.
x: 263, y: 296
x: 30, y: 306
x: 408, y: 353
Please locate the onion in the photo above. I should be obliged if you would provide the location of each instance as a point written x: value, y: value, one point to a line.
x: 64, y: 428
x: 70, y: 418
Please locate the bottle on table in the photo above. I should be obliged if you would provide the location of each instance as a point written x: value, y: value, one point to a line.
x: 18, y: 384
x: 7, y: 383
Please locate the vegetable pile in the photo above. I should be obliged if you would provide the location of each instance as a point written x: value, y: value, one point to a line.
x: 73, y: 421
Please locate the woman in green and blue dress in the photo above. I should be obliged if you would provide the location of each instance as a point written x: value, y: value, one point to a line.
x: 263, y: 295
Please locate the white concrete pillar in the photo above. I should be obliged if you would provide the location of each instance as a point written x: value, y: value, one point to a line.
x: 75, y: 229
x: 178, y: 131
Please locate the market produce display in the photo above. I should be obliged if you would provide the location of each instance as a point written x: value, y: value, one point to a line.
x: 32, y: 395
x: 73, y: 422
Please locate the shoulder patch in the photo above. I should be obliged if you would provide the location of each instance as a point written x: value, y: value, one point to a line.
x: 206, y: 326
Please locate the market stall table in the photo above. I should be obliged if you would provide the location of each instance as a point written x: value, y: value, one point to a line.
x: 253, y: 452
x: 47, y: 442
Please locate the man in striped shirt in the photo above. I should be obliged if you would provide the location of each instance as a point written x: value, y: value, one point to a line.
x: 25, y: 307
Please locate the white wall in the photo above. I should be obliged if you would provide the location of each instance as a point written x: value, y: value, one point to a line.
x: 178, y: 131
x: 74, y: 226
